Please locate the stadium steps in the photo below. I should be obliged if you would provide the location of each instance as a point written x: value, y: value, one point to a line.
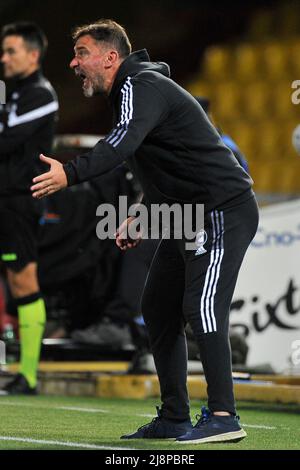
x: 147, y: 386
x: 93, y: 379
x: 74, y: 367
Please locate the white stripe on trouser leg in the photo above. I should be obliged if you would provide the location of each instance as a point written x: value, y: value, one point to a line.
x: 213, y: 271
x: 212, y: 275
x: 214, y: 289
x: 207, y: 277
x: 208, y: 309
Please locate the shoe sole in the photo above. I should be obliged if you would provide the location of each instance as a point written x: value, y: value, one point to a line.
x: 150, y: 438
x: 228, y: 436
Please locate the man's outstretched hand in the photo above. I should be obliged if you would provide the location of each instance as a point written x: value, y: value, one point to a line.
x: 50, y: 182
x: 123, y: 239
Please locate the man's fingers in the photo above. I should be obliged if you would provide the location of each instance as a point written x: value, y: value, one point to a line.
x: 125, y: 243
x: 123, y: 240
x: 40, y: 194
x: 43, y: 177
x: 44, y: 192
x: 122, y: 243
x: 42, y: 185
x: 45, y: 159
x: 122, y: 231
x: 119, y: 243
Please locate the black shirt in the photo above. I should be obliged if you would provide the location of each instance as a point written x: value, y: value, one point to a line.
x: 165, y: 137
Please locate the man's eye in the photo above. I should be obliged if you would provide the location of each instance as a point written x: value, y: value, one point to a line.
x: 82, y: 54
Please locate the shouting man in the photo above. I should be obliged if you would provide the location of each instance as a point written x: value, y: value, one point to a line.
x: 164, y: 136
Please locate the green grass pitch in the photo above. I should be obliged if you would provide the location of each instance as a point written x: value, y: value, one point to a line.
x: 45, y: 422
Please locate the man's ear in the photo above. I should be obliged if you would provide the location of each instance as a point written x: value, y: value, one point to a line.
x: 112, y: 58
x: 35, y: 56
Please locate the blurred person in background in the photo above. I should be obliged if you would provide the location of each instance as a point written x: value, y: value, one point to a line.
x: 27, y: 125
x: 178, y: 156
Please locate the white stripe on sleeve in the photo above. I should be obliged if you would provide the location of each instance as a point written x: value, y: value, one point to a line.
x: 121, y: 129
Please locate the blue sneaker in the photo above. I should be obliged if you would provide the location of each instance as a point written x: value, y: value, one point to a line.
x: 161, y: 428
x: 212, y: 428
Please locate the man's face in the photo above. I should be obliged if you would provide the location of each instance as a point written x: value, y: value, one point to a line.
x: 18, y: 60
x: 91, y: 65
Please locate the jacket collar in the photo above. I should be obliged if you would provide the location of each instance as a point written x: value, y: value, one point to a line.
x: 129, y: 65
x: 34, y: 77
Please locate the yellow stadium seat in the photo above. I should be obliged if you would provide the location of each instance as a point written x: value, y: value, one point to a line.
x: 199, y: 88
x: 271, y: 141
x: 226, y: 98
x: 293, y: 55
x: 217, y: 63
x: 257, y: 103
x: 290, y: 178
x: 247, y: 62
x: 261, y: 175
x: 242, y: 133
x: 267, y: 177
x: 274, y: 60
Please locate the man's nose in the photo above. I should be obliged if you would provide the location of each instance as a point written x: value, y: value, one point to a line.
x: 4, y: 58
x: 74, y: 63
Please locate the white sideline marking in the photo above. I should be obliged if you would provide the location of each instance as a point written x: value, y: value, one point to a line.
x: 10, y: 403
x: 257, y: 426
x: 146, y: 415
x: 67, y: 408
x: 61, y: 443
x: 86, y: 410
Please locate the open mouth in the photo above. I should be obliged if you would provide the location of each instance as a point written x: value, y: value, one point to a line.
x: 84, y: 79
x: 80, y: 75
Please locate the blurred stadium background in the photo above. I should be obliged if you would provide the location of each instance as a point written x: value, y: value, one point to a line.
x: 243, y: 57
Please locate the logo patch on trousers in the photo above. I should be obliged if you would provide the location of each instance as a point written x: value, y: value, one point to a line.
x: 201, y: 239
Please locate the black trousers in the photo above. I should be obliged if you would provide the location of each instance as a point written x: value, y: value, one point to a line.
x: 19, y: 226
x: 197, y: 287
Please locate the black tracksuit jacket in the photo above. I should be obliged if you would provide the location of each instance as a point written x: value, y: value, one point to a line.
x: 166, y: 139
x: 27, y: 126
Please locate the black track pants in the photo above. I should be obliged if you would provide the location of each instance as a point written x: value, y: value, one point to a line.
x: 186, y: 286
